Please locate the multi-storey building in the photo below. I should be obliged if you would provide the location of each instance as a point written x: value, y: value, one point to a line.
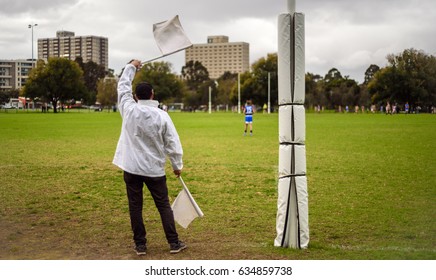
x: 66, y: 44
x: 219, y: 55
x: 14, y: 73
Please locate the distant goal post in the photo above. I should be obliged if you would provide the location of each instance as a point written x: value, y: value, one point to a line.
x: 175, y: 107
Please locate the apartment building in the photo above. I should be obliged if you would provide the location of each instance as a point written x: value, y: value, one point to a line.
x: 14, y: 73
x: 219, y: 55
x: 66, y: 44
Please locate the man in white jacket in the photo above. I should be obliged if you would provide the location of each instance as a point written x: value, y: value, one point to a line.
x: 148, y: 137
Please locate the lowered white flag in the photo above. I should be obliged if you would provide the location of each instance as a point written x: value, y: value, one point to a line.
x: 184, y: 207
x: 170, y: 37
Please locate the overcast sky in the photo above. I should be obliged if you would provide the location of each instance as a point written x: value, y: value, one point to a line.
x: 346, y: 34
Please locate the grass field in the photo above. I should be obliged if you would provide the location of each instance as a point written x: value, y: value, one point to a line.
x: 371, y: 184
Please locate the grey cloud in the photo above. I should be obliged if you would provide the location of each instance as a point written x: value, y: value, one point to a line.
x: 9, y: 7
x: 339, y: 33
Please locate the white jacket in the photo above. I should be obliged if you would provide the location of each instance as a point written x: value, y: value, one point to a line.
x: 148, y: 134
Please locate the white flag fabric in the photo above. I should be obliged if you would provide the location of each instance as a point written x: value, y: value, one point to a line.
x: 185, y: 208
x: 170, y: 36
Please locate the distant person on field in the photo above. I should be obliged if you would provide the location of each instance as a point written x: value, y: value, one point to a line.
x: 388, y: 108
x: 248, y: 111
x: 147, y: 137
x: 406, y: 108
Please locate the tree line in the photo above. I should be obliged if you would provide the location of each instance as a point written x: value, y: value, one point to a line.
x: 409, y: 77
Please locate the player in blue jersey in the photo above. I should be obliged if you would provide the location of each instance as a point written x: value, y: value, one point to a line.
x: 248, y: 111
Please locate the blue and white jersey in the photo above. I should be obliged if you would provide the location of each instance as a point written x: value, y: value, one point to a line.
x: 248, y: 110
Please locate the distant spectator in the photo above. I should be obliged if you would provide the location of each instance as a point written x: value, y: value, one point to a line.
x: 388, y: 108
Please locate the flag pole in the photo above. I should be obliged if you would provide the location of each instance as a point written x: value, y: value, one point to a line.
x: 153, y: 59
x: 199, y: 212
x: 164, y: 55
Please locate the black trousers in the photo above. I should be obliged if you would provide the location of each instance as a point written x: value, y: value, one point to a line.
x: 159, y: 191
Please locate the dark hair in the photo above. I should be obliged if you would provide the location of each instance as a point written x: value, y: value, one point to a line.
x: 144, y: 90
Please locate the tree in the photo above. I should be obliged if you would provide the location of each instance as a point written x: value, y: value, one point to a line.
x: 254, y: 84
x: 409, y: 77
x: 333, y: 79
x: 92, y: 74
x: 332, y: 91
x: 313, y: 94
x: 384, y: 85
x: 226, y: 82
x: 260, y: 69
x: 370, y: 72
x: 337, y: 90
x: 166, y: 85
x: 58, y: 80
x: 5, y: 96
x: 194, y: 74
x: 107, y: 92
x: 196, y: 78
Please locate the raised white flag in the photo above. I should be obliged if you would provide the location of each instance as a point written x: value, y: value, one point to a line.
x: 184, y: 207
x: 170, y: 37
